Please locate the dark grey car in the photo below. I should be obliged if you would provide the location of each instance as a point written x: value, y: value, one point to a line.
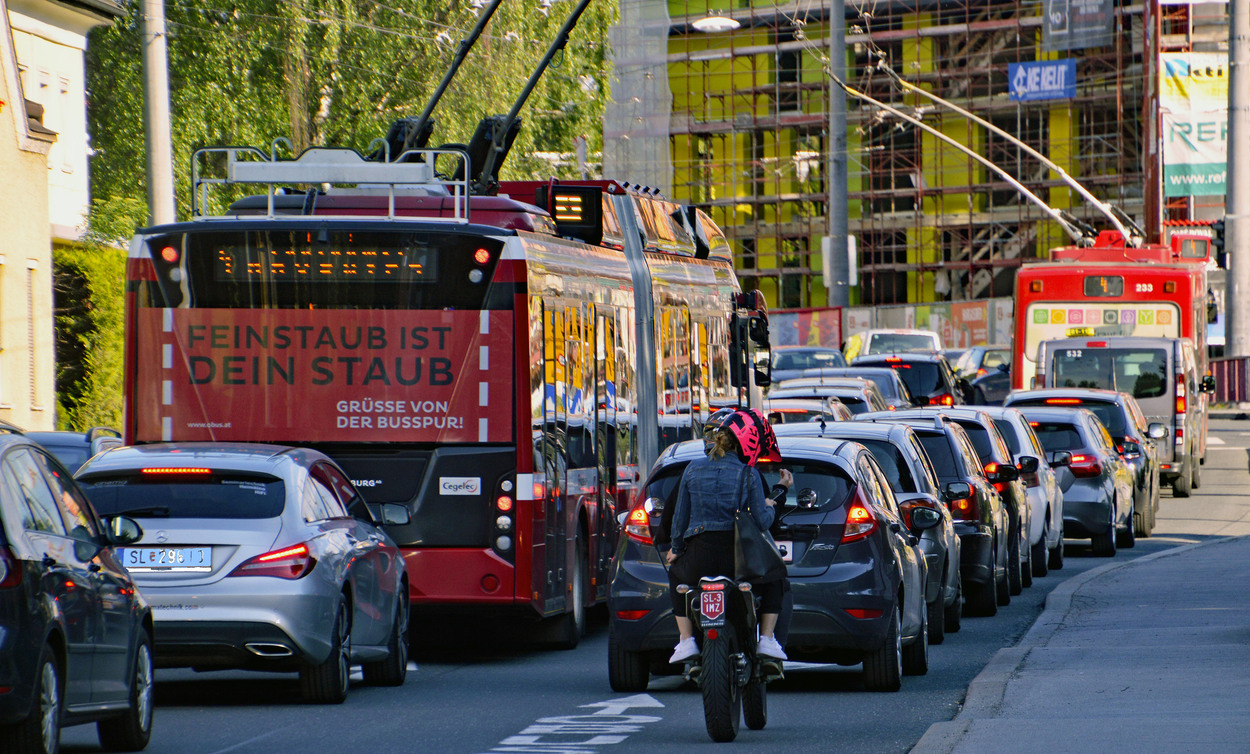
x: 917, y: 489
x: 892, y: 387
x: 857, y: 575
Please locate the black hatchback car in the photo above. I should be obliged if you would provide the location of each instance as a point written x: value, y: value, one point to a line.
x: 856, y: 573
x: 928, y: 376
x: 76, y: 635
x: 1133, y: 435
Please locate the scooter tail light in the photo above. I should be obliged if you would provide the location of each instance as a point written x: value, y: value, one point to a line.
x: 291, y: 563
x: 638, y: 526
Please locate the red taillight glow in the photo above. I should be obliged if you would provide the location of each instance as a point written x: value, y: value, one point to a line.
x: 170, y: 255
x: 1180, y: 393
x: 638, y: 526
x: 504, y: 503
x: 1035, y: 286
x: 945, y: 399
x: 288, y: 563
x: 632, y: 614
x: 1095, y: 344
x: 859, y: 523
x: 863, y: 613
x: 540, y: 491
x: 10, y: 569
x: 1085, y: 465
x: 481, y: 256
x: 964, y: 508
x: 1064, y: 401
x: 176, y: 470
x: 991, y: 468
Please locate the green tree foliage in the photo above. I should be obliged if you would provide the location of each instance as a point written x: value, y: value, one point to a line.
x: 338, y: 73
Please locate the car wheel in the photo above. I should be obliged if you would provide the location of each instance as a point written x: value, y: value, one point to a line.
x: 1056, y: 555
x: 1182, y: 484
x: 883, y: 669
x: 394, y: 669
x: 627, y: 671
x: 953, y: 615
x: 40, y: 732
x: 1039, y: 554
x: 327, y: 683
x: 132, y: 730
x: 1013, y: 561
x: 916, y: 654
x: 1195, y: 479
x: 1125, y: 539
x: 937, y: 626
x: 1103, y: 544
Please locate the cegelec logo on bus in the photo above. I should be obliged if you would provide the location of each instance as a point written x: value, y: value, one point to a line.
x: 324, y: 375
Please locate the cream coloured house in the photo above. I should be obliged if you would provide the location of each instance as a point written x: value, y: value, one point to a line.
x: 43, y: 185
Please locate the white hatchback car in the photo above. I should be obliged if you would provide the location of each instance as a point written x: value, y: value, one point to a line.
x: 1043, y: 490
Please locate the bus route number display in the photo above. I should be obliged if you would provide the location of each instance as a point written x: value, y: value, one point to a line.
x: 1104, y: 285
x: 325, y: 265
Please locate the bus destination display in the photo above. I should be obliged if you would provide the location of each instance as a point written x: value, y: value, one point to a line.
x: 324, y: 264
x: 1104, y: 285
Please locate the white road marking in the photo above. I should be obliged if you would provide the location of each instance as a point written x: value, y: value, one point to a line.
x: 609, y: 726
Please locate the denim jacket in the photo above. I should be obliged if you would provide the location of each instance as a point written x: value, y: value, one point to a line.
x: 711, y: 491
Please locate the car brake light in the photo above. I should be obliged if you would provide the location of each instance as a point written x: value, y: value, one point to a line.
x: 632, y: 614
x: 1085, y: 465
x: 1180, y: 393
x: 10, y: 569
x: 945, y: 399
x: 1064, y: 401
x: 964, y: 508
x: 175, y: 470
x: 859, y: 523
x: 288, y: 563
x: 638, y: 526
x: 863, y: 613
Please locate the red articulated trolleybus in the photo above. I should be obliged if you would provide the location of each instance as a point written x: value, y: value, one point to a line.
x: 506, y: 366
x: 1108, y: 289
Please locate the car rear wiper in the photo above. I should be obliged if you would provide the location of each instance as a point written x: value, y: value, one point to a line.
x: 154, y: 511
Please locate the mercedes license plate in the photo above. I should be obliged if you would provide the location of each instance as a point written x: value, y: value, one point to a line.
x: 167, y: 558
x: 712, y: 608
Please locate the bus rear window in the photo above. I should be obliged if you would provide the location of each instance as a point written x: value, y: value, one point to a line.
x: 186, y: 496
x: 1140, y: 372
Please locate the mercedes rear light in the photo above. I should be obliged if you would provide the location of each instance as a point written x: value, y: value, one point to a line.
x: 1085, y: 465
x: 287, y: 563
x: 10, y: 569
x: 638, y: 525
x: 859, y: 522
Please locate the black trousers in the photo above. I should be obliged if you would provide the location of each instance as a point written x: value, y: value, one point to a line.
x: 712, y: 554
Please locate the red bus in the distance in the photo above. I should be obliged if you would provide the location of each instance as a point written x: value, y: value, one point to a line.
x: 495, y: 365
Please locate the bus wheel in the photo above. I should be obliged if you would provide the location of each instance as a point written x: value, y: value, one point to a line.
x: 567, y: 630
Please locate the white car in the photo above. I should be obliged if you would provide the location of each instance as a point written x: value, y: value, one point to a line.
x: 1043, y: 490
x: 890, y: 341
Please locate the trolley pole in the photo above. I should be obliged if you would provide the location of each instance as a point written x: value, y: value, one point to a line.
x: 839, y: 293
x: 156, y: 111
x: 1237, y: 200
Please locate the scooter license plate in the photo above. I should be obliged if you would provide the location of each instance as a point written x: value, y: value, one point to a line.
x: 712, y: 608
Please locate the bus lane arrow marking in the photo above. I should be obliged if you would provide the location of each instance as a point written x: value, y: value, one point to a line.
x: 583, y: 734
x: 617, y: 706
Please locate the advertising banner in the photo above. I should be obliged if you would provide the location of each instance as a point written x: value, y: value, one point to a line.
x: 1193, y: 101
x: 306, y: 376
x: 970, y: 323
x: 1042, y: 80
x: 1078, y: 24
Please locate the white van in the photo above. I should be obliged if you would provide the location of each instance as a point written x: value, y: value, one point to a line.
x: 1160, y: 373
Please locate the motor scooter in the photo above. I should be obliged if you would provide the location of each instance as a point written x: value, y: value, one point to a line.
x: 731, y: 676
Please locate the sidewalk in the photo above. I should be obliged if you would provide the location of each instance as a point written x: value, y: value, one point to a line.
x: 1178, y: 680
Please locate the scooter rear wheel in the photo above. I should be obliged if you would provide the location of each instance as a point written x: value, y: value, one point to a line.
x: 755, y: 704
x: 721, y: 707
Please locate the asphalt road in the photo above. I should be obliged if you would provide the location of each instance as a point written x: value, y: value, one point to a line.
x: 473, y: 688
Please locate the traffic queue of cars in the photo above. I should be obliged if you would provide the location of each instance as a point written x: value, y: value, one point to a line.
x: 208, y: 556
x: 907, y: 517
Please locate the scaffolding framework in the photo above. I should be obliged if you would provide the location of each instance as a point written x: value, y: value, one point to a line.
x: 749, y: 117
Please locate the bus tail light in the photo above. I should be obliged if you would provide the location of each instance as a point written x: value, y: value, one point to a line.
x: 1085, y: 466
x: 638, y: 525
x: 288, y: 563
x: 859, y: 522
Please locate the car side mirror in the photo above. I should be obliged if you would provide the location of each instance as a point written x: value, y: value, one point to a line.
x: 1061, y: 458
x: 1028, y: 464
x: 1157, y: 431
x: 924, y: 518
x: 1001, y: 472
x: 395, y: 514
x: 956, y: 491
x: 123, y: 530
x: 1208, y: 384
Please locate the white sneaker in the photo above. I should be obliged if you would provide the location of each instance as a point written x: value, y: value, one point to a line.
x: 686, y: 648
x: 768, y: 647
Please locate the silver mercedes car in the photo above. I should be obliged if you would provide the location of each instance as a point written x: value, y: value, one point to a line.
x: 260, y: 557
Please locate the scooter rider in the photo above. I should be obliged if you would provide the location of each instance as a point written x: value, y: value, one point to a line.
x: 711, y: 490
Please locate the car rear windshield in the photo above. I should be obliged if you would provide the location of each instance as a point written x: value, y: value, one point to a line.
x: 921, y: 377
x: 186, y: 495
x: 1058, y: 436
x: 854, y: 403
x: 941, y: 457
x: 1111, y: 415
x: 1140, y: 372
x: 883, y: 342
x: 809, y: 360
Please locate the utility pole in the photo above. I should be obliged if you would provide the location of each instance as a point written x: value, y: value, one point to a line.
x: 839, y: 293
x: 1237, y: 198
x: 156, y: 110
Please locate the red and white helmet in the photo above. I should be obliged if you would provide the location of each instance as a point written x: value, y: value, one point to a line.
x: 754, y: 435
